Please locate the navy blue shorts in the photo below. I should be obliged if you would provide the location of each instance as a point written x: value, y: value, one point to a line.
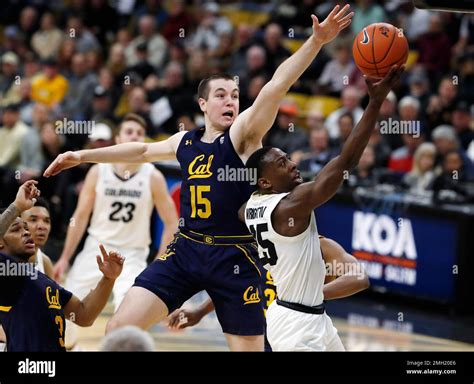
x: 228, y: 273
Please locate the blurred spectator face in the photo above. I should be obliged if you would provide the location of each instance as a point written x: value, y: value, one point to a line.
x: 28, y: 18
x: 101, y: 104
x: 68, y: 47
x: 367, y: 160
x: 272, y: 36
x: 137, y: 99
x: 176, y: 7
x: 174, y: 76
x: 318, y: 140
x: 93, y: 61
x: 444, y: 145
x: 426, y: 162
x: 418, y: 88
x: 197, y: 64
x: 105, y: 78
x: 447, y: 90
x: 244, y: 34
x: 177, y: 53
x: 10, y: 117
x: 25, y: 89
x: 40, y: 114
x: 436, y: 24
x: 74, y: 24
x: 343, y: 55
x: 123, y: 37
x: 31, y: 68
x: 315, y: 119
x: 78, y: 66
x: 50, y: 71
x: 116, y: 55
x: 39, y: 224
x: 222, y: 104
x: 350, y: 98
x: 130, y: 132
x: 48, y: 135
x: 452, y: 162
x: 146, y: 26
x: 255, y: 86
x: 408, y: 112
x: 9, y: 69
x: 284, y: 120
x: 47, y: 21
x: 461, y: 119
x: 388, y: 108
x: 256, y: 58
x: 346, y: 124
x: 412, y: 142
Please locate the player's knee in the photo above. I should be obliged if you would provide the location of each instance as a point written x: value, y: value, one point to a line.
x: 112, y: 324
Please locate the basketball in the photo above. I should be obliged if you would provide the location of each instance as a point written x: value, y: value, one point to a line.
x: 378, y: 47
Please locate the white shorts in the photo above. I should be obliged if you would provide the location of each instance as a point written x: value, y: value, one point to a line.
x: 290, y: 330
x: 85, y: 274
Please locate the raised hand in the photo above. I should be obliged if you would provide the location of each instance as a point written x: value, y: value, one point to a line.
x: 63, y: 161
x: 379, y: 89
x: 111, y: 265
x: 334, y: 23
x: 26, y: 196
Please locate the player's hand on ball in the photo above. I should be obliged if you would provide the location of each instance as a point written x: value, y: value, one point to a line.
x: 63, y: 161
x: 183, y: 318
x: 111, y: 264
x: 335, y: 22
x: 379, y: 89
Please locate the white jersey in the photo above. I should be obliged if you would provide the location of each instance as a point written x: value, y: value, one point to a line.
x: 123, y: 208
x: 39, y: 261
x: 295, y: 263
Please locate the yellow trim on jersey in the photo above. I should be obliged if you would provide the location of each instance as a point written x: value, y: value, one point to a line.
x: 248, y: 257
x: 222, y: 237
x: 5, y: 309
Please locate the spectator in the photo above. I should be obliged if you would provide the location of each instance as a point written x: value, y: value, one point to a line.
x: 85, y: 41
x: 350, y: 98
x: 422, y: 175
x: 365, y: 174
x: 81, y: 82
x: 178, y: 22
x: 381, y: 148
x: 401, y: 160
x: 462, y: 123
x: 101, y: 19
x: 142, y: 67
x: 441, y: 105
x: 156, y: 44
x: 337, y: 70
x: 10, y: 70
x: 285, y: 134
x: 12, y: 133
x: 211, y: 27
x: 128, y: 339
x: 414, y: 21
x: 430, y: 44
x: 366, y: 13
x: 445, y: 139
x: 318, y: 155
x: 276, y: 53
x: 50, y: 87
x: 47, y: 41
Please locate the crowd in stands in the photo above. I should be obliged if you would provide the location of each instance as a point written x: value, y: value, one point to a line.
x: 96, y: 60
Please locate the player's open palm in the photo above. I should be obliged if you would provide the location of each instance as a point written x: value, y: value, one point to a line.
x: 111, y: 264
x: 335, y: 22
x: 63, y: 161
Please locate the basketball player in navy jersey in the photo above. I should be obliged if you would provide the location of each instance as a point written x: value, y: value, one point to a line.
x: 212, y: 250
x: 33, y: 307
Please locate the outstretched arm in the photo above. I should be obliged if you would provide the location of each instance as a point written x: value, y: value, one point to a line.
x: 250, y: 127
x: 307, y: 196
x: 85, y: 312
x: 350, y: 275
x: 130, y: 153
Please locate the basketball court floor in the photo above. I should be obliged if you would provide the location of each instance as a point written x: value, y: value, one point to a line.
x: 364, y: 324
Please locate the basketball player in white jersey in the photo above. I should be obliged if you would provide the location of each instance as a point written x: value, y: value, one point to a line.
x: 120, y: 198
x: 280, y: 215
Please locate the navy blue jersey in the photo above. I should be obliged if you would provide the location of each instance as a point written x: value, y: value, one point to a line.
x: 31, y: 309
x: 215, y: 185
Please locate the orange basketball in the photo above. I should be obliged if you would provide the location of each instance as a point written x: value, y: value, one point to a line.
x: 378, y: 47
